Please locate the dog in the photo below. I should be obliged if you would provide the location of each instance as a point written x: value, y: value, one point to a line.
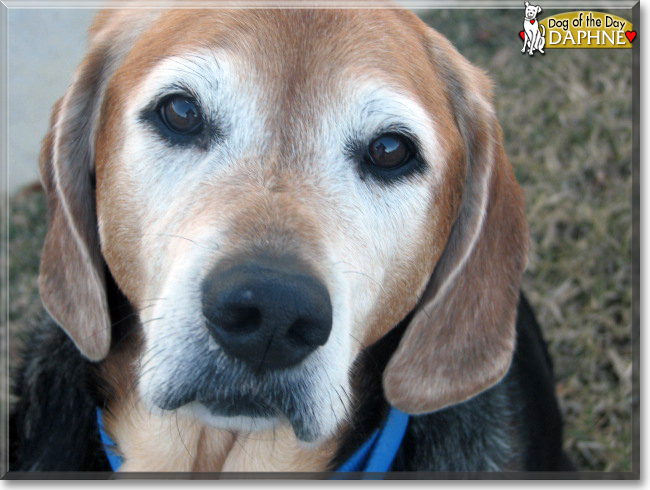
x: 534, y: 38
x: 268, y: 231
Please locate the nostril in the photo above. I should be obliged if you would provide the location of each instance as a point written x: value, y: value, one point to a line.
x: 240, y: 318
x: 305, y: 331
x: 297, y: 331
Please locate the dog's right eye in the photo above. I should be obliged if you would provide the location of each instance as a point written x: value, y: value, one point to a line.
x: 181, y: 114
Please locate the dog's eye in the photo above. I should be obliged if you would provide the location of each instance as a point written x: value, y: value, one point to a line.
x: 390, y: 150
x: 181, y: 114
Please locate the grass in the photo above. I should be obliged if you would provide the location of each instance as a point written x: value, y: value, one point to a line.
x: 567, y: 120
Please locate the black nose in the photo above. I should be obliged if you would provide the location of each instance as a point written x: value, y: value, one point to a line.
x: 267, y: 314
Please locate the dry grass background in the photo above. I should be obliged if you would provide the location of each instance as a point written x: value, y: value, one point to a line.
x: 567, y: 120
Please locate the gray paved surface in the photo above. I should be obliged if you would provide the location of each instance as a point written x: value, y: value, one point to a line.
x: 44, y: 48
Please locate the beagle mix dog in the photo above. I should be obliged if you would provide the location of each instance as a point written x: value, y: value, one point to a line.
x: 266, y: 228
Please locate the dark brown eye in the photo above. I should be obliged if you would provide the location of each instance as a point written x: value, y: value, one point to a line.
x: 390, y: 150
x: 181, y: 114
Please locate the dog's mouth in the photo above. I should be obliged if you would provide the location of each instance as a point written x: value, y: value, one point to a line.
x: 241, y: 409
x: 239, y: 406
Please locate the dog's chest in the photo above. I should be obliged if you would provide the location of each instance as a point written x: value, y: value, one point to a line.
x: 176, y: 443
x: 531, y: 26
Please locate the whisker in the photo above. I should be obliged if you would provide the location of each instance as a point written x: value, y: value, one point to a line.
x: 170, y: 235
x: 366, y: 353
x: 178, y: 430
x: 381, y: 286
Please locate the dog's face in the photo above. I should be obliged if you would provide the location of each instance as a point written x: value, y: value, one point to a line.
x: 532, y: 10
x: 274, y: 191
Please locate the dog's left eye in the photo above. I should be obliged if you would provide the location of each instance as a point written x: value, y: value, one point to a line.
x: 181, y: 114
x: 389, y: 150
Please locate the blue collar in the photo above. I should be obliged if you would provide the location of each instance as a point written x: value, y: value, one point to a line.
x: 376, y: 455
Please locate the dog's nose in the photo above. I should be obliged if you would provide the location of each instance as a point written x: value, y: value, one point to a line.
x: 268, y: 315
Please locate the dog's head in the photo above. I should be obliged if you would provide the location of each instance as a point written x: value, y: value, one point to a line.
x: 532, y: 10
x: 273, y: 191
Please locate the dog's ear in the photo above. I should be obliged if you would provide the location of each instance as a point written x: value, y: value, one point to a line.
x: 539, y: 9
x: 461, y: 337
x: 526, y: 4
x: 71, y: 279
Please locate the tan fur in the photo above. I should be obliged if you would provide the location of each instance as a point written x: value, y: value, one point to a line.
x: 461, y: 267
x: 176, y: 443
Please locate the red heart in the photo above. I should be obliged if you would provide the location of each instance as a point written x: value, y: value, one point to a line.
x: 522, y: 35
x: 532, y: 21
x: 630, y: 35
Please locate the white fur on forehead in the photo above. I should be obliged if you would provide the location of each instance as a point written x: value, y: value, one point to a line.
x: 224, y: 85
x: 374, y: 105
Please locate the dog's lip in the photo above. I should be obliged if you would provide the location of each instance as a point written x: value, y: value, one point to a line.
x: 231, y: 405
x: 256, y: 407
x: 239, y: 406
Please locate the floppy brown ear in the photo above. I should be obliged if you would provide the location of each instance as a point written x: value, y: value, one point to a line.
x: 461, y: 337
x: 71, y: 280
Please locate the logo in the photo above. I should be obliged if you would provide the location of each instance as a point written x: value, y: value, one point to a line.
x: 534, y: 34
x: 574, y: 30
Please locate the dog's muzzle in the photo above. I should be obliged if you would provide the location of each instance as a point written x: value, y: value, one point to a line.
x: 270, y: 314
